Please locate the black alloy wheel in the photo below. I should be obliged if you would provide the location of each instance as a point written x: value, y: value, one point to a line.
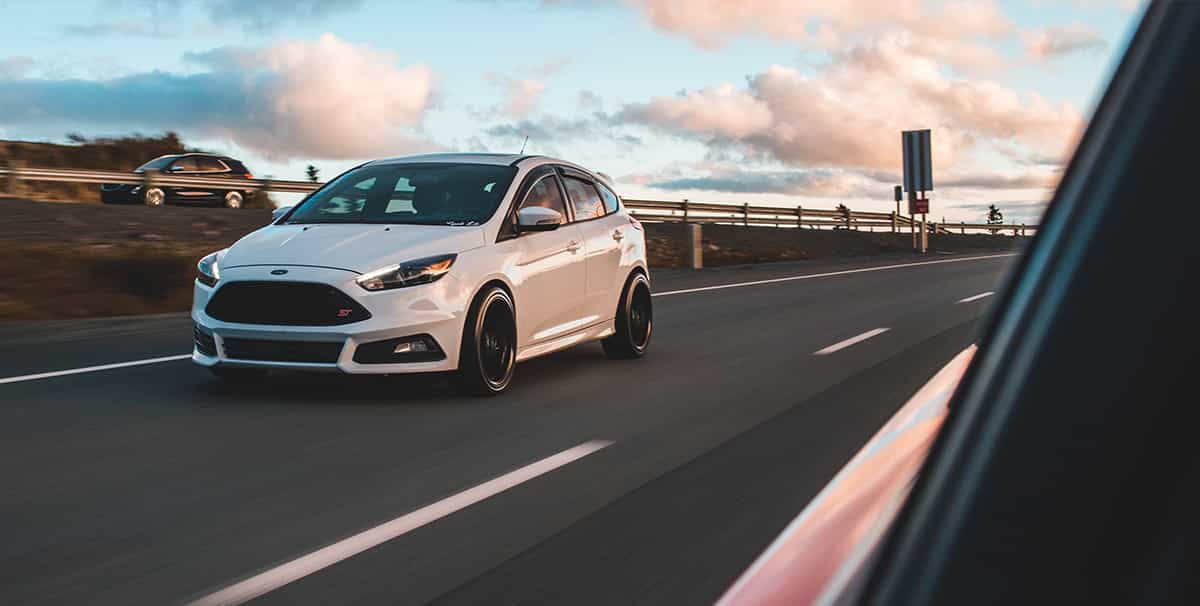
x: 489, y: 351
x: 634, y: 321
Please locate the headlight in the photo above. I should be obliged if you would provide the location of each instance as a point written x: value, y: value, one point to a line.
x: 207, y: 271
x: 420, y: 271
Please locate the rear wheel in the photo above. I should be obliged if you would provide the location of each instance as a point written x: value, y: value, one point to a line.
x: 489, y: 349
x: 634, y: 322
x: 154, y: 196
x: 240, y: 376
x: 233, y: 199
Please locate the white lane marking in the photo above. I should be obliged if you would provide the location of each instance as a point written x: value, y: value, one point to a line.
x: 976, y: 297
x: 303, y: 566
x: 827, y: 274
x: 77, y: 371
x: 840, y: 345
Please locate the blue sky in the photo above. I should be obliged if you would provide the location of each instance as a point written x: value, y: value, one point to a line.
x: 800, y: 103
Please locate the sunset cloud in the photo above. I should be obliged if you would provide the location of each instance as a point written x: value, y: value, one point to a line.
x: 302, y: 98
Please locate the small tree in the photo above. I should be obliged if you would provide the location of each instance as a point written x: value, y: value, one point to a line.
x: 844, y: 211
x: 312, y: 172
x: 994, y: 216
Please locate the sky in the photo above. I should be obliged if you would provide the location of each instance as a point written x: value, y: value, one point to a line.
x: 786, y: 102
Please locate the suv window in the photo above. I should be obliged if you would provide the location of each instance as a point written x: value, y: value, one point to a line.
x: 207, y: 164
x: 584, y: 199
x: 545, y: 193
x: 611, y: 202
x: 187, y: 164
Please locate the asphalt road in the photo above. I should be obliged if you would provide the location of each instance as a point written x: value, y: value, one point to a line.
x: 155, y: 484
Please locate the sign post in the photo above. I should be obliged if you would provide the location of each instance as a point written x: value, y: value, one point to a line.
x: 918, y: 179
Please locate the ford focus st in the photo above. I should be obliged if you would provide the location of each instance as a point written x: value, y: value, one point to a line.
x: 445, y: 262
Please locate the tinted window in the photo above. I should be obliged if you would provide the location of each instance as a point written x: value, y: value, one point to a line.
x: 611, y: 202
x: 584, y: 199
x: 545, y: 193
x: 204, y: 163
x: 433, y: 194
x: 184, y: 164
x: 156, y: 164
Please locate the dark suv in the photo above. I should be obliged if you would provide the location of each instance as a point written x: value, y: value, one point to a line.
x: 188, y: 165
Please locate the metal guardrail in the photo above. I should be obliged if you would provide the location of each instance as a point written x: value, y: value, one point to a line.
x: 646, y: 210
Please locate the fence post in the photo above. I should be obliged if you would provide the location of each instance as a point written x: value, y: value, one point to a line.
x: 685, y: 210
x: 799, y: 217
x: 14, y: 186
x: 746, y: 214
x: 893, y: 214
x: 693, y: 246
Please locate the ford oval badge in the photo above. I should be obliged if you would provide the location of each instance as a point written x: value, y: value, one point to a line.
x: 278, y: 272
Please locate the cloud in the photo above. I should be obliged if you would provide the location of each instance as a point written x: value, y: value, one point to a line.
x: 325, y: 98
x: 849, y: 113
x: 550, y: 130
x: 1024, y: 180
x: 262, y: 15
x: 15, y: 67
x: 521, y: 95
x: 1055, y: 42
x: 589, y: 100
x: 820, y: 183
x: 128, y: 28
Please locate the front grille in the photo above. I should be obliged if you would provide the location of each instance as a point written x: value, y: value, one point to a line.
x: 315, y: 352
x: 284, y: 303
x: 204, y: 341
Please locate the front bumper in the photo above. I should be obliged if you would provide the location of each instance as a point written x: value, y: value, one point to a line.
x: 437, y: 310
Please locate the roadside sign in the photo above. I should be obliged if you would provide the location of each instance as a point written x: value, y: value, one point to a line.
x: 918, y: 163
x: 899, y: 193
x: 918, y: 206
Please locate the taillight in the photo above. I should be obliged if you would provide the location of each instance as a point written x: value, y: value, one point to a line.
x: 249, y: 176
x: 635, y: 223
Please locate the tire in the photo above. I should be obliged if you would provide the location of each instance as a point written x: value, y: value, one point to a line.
x: 634, y: 321
x: 488, y: 355
x: 239, y: 376
x: 154, y: 196
x: 233, y: 199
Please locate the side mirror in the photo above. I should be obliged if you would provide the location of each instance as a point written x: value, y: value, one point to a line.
x: 279, y: 212
x: 538, y: 218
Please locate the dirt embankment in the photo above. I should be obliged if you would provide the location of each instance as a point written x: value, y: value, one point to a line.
x: 84, y: 260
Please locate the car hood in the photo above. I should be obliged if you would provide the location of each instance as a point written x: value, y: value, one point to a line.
x: 359, y: 248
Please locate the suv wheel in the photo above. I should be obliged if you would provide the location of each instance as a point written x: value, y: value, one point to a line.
x: 634, y: 322
x: 154, y: 196
x: 489, y: 349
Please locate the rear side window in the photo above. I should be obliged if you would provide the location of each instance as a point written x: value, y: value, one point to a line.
x: 206, y: 164
x: 584, y: 198
x: 611, y: 202
x: 545, y: 193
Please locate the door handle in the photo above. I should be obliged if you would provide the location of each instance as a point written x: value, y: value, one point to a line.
x: 573, y: 246
x: 617, y: 235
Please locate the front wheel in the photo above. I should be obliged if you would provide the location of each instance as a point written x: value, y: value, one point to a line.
x: 634, y: 322
x: 154, y: 196
x: 489, y: 348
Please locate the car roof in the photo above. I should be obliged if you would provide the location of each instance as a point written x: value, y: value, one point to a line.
x: 487, y: 158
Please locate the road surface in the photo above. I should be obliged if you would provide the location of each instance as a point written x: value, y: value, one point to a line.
x: 592, y: 481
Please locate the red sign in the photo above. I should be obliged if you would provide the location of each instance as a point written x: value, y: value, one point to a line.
x: 918, y: 206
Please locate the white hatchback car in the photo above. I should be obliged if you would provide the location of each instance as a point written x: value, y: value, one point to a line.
x: 441, y: 262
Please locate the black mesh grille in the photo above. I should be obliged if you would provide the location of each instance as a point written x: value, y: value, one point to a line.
x: 284, y: 303
x: 282, y: 351
x: 204, y: 341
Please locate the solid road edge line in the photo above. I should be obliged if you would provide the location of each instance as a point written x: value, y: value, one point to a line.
x: 828, y: 274
x: 87, y: 369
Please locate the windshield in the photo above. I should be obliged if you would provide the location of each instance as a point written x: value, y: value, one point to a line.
x: 428, y: 194
x: 158, y: 163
